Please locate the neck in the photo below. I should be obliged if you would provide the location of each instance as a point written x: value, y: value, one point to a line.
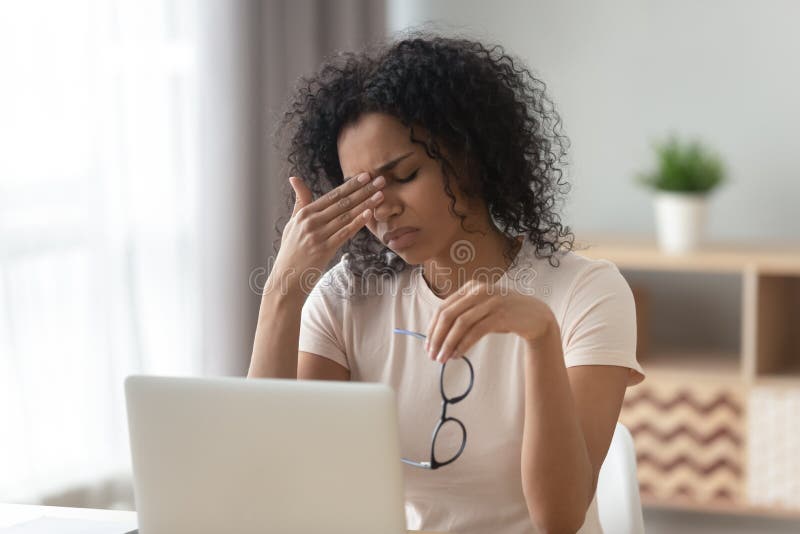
x: 471, y: 256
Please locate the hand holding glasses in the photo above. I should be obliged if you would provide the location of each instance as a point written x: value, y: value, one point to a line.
x: 443, y: 419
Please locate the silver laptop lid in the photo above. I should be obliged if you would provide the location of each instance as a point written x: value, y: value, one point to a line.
x: 229, y: 454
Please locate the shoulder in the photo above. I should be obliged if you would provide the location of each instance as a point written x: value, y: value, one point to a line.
x: 335, y: 283
x: 597, y: 273
x: 593, y: 288
x: 589, y: 281
x: 570, y: 279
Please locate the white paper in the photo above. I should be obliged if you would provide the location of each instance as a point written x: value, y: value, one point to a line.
x: 56, y: 525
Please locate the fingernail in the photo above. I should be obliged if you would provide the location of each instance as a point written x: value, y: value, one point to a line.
x: 440, y: 357
x: 363, y: 177
x: 379, y: 181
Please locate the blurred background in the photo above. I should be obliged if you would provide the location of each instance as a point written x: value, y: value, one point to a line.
x: 139, y: 186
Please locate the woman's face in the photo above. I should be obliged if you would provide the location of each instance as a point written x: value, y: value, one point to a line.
x: 377, y: 139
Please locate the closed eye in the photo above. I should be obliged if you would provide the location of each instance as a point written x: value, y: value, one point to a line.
x: 411, y: 177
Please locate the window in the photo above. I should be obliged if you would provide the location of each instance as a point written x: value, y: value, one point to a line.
x: 98, y: 228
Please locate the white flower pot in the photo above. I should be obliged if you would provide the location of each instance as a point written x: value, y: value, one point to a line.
x: 680, y: 220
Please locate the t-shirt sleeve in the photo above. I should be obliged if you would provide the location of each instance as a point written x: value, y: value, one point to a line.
x: 321, y: 322
x: 599, y: 322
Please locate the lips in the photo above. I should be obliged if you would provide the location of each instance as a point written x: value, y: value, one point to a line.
x: 388, y: 236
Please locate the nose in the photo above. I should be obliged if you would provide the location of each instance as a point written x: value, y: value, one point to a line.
x: 389, y: 207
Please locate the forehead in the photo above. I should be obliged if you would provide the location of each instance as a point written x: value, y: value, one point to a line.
x: 371, y: 141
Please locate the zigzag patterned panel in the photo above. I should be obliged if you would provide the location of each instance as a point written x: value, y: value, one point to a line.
x: 690, y: 441
x: 774, y: 458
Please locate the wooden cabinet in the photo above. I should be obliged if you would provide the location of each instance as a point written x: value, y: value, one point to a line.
x: 717, y: 421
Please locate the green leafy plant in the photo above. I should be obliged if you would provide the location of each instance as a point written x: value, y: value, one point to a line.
x: 685, y: 168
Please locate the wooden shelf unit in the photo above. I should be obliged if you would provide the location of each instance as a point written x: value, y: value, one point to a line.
x: 715, y: 422
x: 780, y: 259
x: 770, y: 285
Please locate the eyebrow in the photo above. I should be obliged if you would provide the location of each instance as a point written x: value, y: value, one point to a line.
x: 387, y: 166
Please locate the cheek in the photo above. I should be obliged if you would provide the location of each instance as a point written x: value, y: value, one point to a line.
x: 437, y: 203
x: 371, y: 225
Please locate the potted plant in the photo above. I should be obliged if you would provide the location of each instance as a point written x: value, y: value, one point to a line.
x: 684, y: 176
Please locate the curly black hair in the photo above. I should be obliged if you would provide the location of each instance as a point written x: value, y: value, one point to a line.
x: 477, y: 102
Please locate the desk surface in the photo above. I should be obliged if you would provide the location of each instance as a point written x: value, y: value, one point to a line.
x: 14, y: 514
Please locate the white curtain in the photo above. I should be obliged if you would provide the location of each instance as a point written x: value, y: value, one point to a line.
x: 98, y: 229
x: 138, y: 193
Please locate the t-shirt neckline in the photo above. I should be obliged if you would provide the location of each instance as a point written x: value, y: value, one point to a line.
x: 427, y: 293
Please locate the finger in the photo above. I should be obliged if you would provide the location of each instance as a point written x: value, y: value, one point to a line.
x: 347, y: 217
x: 461, y: 327
x: 303, y: 196
x: 470, y: 286
x: 350, y: 197
x: 473, y: 335
x: 348, y: 231
x: 331, y: 197
x: 461, y: 293
x: 446, y: 316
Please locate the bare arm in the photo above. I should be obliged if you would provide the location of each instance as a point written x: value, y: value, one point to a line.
x: 315, y: 231
x: 277, y: 333
x: 570, y: 415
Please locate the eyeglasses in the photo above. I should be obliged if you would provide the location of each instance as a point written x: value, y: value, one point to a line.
x: 434, y: 463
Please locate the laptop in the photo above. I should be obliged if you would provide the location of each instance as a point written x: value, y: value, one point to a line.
x: 239, y: 455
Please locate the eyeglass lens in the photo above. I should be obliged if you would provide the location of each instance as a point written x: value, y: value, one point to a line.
x: 450, y: 436
x: 455, y: 378
x: 448, y: 441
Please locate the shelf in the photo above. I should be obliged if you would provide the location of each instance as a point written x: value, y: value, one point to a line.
x: 719, y: 323
x: 789, y: 376
x: 791, y: 381
x: 693, y: 363
x: 633, y: 252
x: 777, y: 338
x: 721, y: 508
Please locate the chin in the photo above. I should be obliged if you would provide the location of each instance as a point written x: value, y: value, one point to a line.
x: 411, y: 256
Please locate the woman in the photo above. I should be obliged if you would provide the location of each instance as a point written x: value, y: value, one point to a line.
x: 433, y: 163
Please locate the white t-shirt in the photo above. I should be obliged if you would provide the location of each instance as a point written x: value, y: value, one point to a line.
x: 481, y: 491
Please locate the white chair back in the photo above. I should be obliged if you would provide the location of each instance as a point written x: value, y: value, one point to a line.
x: 618, y: 502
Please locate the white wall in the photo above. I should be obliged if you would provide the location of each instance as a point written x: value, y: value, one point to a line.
x: 622, y: 72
